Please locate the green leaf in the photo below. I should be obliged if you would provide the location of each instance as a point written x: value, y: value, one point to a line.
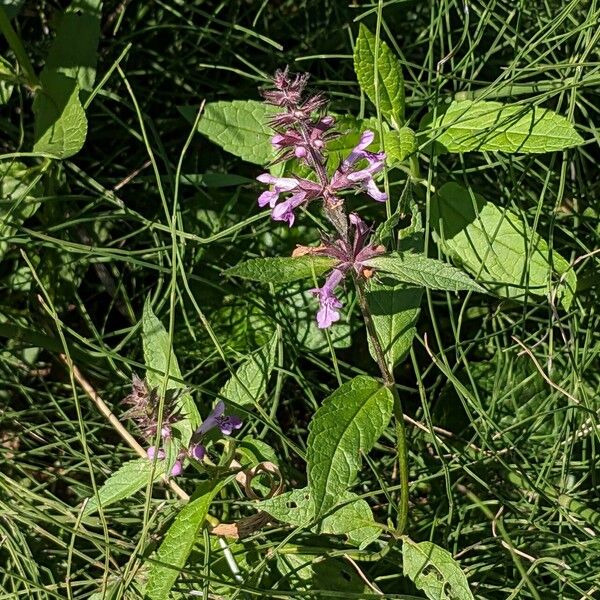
x: 123, y: 483
x: 60, y: 123
x: 249, y: 383
x: 395, y: 310
x: 8, y: 78
x: 159, y: 356
x: 74, y: 50
x: 12, y: 7
x: 282, y: 269
x: 399, y: 144
x: 353, y: 519
x: 434, y: 571
x: 419, y: 270
x: 496, y: 246
x: 240, y: 127
x: 179, y: 541
x: 476, y: 125
x: 19, y: 189
x: 391, y: 81
x: 349, y: 422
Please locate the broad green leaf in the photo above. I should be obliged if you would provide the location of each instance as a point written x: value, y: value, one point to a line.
x: 175, y: 549
x: 282, y: 269
x: 74, y: 50
x: 159, y: 356
x: 12, y: 7
x: 434, y: 571
x: 477, y: 125
x: 123, y: 483
x: 349, y: 422
x: 354, y: 519
x: 395, y: 310
x: 240, y: 127
x: 417, y: 269
x: 497, y: 246
x: 8, y: 79
x: 19, y: 190
x: 60, y: 123
x: 391, y: 81
x: 399, y: 144
x: 249, y: 383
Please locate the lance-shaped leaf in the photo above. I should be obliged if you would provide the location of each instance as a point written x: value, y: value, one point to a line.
x: 282, y: 269
x: 417, y: 269
x: 477, y: 125
x: 349, y: 422
x: 240, y: 127
x: 387, y: 66
x: 123, y: 483
x: 249, y: 383
x: 433, y: 570
x: 179, y: 541
x: 498, y: 247
x: 161, y: 362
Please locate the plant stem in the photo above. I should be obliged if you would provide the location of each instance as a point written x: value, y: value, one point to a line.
x: 388, y: 378
x: 14, y: 41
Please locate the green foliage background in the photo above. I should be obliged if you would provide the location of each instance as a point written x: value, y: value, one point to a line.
x: 502, y: 393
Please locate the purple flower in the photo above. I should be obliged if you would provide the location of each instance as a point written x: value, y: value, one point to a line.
x: 328, y: 301
x: 217, y: 418
x: 152, y: 452
x: 347, y: 176
x: 177, y: 468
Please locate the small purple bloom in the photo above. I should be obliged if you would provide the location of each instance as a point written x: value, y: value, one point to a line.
x: 279, y: 185
x: 328, y: 301
x: 177, y: 468
x: 226, y: 424
x: 197, y: 451
x: 152, y: 452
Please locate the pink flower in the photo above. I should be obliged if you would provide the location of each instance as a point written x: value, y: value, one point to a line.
x: 329, y: 303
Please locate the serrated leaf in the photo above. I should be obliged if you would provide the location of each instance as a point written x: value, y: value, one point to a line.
x: 395, y: 310
x: 249, y: 383
x: 353, y: 519
x: 74, y: 49
x: 349, y: 422
x: 434, y: 571
x: 399, y: 144
x: 18, y: 198
x: 159, y: 357
x: 240, y: 127
x: 179, y: 541
x: 60, y: 122
x: 281, y: 269
x: 123, y: 483
x: 477, y: 125
x: 497, y: 246
x: 391, y: 81
x: 417, y: 269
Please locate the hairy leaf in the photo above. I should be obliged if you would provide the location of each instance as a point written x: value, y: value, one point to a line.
x: 477, y: 125
x: 60, y: 123
x: 282, y: 269
x: 353, y: 519
x: 417, y: 269
x: 123, y: 483
x: 434, y: 571
x: 240, y: 127
x: 175, y: 549
x: 74, y: 50
x: 249, y: 383
x: 391, y: 81
x: 160, y: 362
x: 399, y: 144
x: 349, y: 422
x: 497, y: 246
x: 395, y: 310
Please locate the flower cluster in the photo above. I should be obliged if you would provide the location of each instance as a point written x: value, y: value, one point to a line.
x: 301, y: 133
x: 144, y: 403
